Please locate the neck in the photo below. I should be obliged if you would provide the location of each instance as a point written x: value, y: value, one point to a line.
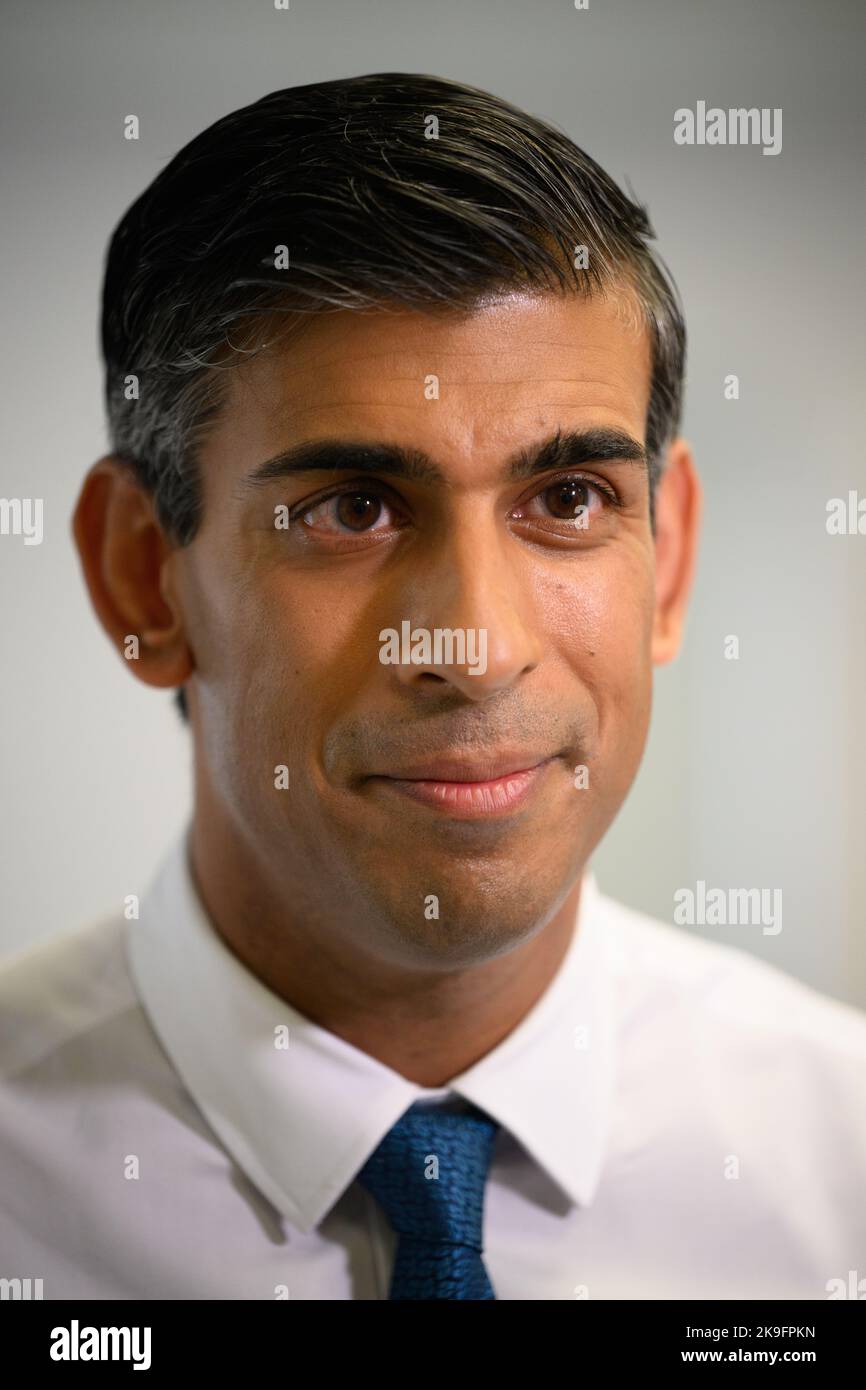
x: 427, y: 1025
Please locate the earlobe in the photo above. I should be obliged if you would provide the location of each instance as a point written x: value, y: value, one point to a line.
x: 678, y: 516
x: 124, y: 553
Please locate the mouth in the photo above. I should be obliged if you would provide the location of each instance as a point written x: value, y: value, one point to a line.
x: 465, y: 790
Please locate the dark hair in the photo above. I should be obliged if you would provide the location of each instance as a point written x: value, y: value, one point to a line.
x: 376, y: 205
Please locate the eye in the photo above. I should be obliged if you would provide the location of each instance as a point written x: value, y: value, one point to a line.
x: 356, y: 510
x: 572, y: 501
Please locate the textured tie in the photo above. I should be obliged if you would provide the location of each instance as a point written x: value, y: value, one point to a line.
x: 428, y: 1176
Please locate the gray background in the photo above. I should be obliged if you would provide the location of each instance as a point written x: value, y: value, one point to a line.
x: 754, y: 772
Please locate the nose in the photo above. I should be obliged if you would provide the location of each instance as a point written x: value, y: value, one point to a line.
x: 474, y: 594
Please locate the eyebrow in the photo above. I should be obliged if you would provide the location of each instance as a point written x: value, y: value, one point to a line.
x: 564, y: 449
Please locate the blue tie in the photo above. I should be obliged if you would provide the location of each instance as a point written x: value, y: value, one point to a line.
x: 428, y: 1176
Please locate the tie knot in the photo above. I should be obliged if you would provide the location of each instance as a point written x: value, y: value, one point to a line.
x: 429, y: 1171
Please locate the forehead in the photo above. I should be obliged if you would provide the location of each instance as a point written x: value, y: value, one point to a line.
x: 467, y: 388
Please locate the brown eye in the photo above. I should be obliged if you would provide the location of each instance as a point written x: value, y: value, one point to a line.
x: 354, y: 510
x: 357, y: 510
x: 573, y: 501
x: 564, y: 498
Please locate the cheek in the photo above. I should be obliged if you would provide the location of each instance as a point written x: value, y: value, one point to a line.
x: 601, y: 623
x: 601, y: 618
x: 291, y: 652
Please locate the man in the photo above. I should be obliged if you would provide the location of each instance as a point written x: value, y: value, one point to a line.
x: 396, y: 499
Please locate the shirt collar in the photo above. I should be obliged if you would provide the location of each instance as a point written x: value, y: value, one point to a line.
x: 302, y: 1119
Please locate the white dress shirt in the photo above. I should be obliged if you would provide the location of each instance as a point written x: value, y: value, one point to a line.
x: 678, y: 1120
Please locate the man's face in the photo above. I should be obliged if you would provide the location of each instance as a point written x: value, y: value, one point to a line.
x: 556, y: 569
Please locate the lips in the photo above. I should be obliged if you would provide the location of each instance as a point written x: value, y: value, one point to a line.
x: 451, y: 769
x: 494, y: 787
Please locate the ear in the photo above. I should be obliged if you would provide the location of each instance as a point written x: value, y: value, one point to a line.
x: 126, y: 559
x: 678, y: 508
